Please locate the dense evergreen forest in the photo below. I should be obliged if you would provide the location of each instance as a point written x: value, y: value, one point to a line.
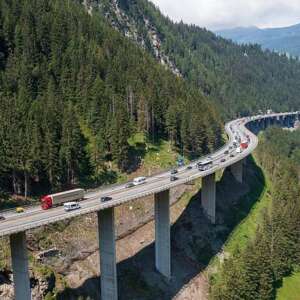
x: 255, y: 272
x: 239, y: 79
x: 73, y: 90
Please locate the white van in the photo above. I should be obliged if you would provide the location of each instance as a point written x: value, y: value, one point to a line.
x: 238, y: 150
x: 71, y: 206
x: 139, y: 180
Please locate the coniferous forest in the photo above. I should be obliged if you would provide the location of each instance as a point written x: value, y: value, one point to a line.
x: 73, y: 90
x: 255, y: 272
x: 239, y: 80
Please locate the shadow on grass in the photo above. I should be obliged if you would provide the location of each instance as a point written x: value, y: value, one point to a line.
x: 194, y: 242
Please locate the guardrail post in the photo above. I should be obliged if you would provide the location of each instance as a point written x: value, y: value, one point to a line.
x: 237, y: 171
x: 19, y: 257
x: 208, y: 197
x: 162, y: 233
x: 107, y: 247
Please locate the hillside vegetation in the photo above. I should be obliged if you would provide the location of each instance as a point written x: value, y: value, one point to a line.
x: 239, y: 79
x: 73, y: 93
x: 255, y: 268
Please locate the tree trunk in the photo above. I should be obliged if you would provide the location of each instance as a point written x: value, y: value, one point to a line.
x: 25, y: 184
x: 14, y: 179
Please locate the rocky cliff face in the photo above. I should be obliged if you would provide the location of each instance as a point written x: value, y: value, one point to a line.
x: 148, y: 40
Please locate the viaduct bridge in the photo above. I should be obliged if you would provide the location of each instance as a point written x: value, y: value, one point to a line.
x: 15, y: 226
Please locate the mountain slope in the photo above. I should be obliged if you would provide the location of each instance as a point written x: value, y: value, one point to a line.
x: 284, y: 40
x: 239, y: 79
x: 73, y: 91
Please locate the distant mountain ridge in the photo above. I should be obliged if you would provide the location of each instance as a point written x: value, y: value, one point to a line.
x: 285, y: 39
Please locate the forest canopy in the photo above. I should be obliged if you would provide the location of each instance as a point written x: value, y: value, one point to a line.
x: 238, y: 79
x: 73, y: 90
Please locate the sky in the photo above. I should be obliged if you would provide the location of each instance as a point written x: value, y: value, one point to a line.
x: 223, y: 14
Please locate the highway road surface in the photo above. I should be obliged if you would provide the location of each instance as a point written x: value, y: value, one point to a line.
x: 34, y: 216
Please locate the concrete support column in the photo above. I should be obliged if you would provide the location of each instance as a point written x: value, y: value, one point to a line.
x: 237, y: 171
x: 107, y: 246
x: 281, y: 121
x: 162, y: 233
x: 19, y: 257
x: 208, y: 196
x: 267, y: 123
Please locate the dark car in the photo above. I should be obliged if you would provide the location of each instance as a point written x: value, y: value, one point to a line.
x: 189, y: 167
x: 129, y: 184
x: 173, y: 178
x: 226, y: 152
x: 105, y: 198
x: 2, y: 218
x: 223, y: 160
x: 231, y: 155
x: 174, y: 171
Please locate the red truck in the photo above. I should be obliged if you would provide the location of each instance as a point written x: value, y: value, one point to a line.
x: 49, y: 201
x: 244, y: 145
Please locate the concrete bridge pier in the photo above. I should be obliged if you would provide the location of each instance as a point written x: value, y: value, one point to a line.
x: 267, y: 123
x: 162, y: 233
x: 278, y: 121
x: 208, y: 197
x: 262, y: 124
x: 237, y: 171
x: 19, y: 258
x: 285, y: 121
x: 292, y: 120
x: 256, y: 127
x: 107, y: 248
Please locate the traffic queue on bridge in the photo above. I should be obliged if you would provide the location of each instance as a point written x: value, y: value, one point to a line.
x: 70, y: 199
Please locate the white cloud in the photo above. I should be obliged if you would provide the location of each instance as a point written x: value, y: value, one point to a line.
x: 216, y: 14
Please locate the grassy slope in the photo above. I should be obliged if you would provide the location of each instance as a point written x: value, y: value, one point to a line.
x: 290, y: 288
x: 246, y: 229
x: 157, y: 155
x: 259, y: 195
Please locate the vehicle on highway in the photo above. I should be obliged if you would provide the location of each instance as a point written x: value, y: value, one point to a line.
x: 68, y: 206
x: 139, y: 180
x: 129, y: 184
x: 2, y: 218
x: 20, y: 210
x: 238, y: 150
x: 189, y: 167
x: 244, y: 145
x: 231, y: 155
x: 174, y: 171
x: 105, y: 198
x: 180, y: 162
x: 223, y: 160
x: 226, y: 152
x: 173, y: 178
x: 204, y: 165
x: 52, y: 200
